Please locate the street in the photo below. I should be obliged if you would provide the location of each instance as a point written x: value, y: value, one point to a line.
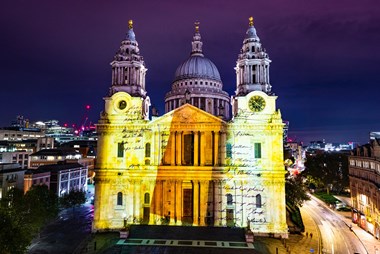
x: 73, y: 228
x: 337, y: 238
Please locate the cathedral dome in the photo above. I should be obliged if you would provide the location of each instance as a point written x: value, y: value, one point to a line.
x: 197, y: 82
x: 197, y: 66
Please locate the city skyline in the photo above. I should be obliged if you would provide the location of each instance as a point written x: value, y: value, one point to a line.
x: 55, y: 57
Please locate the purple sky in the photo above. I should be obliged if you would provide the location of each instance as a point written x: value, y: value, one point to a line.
x: 55, y: 55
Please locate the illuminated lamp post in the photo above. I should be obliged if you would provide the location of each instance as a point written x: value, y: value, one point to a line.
x: 125, y: 219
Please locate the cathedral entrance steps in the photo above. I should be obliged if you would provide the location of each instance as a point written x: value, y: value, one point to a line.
x: 187, y: 243
x: 216, y: 234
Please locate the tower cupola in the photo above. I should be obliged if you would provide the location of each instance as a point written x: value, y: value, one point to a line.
x: 196, y: 44
x: 252, y: 65
x: 128, y: 67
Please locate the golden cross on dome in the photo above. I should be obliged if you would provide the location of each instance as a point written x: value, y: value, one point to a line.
x: 250, y: 21
x: 196, y: 26
x: 130, y: 24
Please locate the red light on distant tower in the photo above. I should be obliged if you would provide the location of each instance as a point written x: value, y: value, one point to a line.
x: 87, y: 106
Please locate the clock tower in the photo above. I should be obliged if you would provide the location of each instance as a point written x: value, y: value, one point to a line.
x: 253, y: 91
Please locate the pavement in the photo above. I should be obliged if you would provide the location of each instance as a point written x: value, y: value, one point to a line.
x: 160, y: 239
x: 224, y: 240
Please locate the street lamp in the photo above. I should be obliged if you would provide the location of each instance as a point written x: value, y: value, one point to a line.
x: 125, y: 219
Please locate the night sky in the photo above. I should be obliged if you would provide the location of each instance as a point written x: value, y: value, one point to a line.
x: 55, y: 56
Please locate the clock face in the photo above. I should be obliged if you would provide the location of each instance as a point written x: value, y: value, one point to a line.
x: 122, y: 104
x: 256, y: 103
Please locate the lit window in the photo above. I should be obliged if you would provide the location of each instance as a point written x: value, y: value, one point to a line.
x: 147, y: 150
x: 229, y: 150
x: 229, y: 199
x: 119, y: 198
x: 258, y: 201
x: 257, y: 150
x: 120, y: 150
x: 146, y: 198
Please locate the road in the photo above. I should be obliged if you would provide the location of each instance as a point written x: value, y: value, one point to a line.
x: 337, y: 238
x: 72, y: 229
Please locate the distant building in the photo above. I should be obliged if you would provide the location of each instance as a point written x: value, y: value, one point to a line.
x: 374, y: 135
x: 66, y: 176
x: 19, y: 133
x: 52, y: 156
x: 364, y: 173
x: 317, y: 147
x: 11, y: 176
x: 20, y: 157
x: 45, y: 143
x: 34, y: 177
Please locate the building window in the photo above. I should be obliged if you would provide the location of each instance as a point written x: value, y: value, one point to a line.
x: 229, y: 150
x: 120, y: 149
x: 229, y: 199
x: 258, y: 201
x: 119, y: 198
x: 147, y: 150
x: 257, y: 150
x: 146, y: 198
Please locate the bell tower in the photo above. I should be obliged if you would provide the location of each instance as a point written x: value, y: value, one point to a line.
x: 128, y: 67
x: 252, y: 66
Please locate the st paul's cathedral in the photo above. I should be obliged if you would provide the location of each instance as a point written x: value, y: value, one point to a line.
x: 211, y: 160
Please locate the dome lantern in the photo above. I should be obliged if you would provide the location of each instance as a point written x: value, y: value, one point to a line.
x: 196, y: 44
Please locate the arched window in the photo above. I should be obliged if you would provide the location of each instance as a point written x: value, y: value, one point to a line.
x: 119, y: 198
x: 258, y: 201
x: 229, y: 199
x: 147, y: 150
x: 146, y: 198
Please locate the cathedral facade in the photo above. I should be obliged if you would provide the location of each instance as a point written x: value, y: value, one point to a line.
x: 199, y: 164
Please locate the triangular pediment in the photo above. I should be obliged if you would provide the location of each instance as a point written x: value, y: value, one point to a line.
x: 188, y: 114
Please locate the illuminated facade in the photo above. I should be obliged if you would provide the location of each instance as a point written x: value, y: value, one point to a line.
x: 194, y: 165
x: 364, y: 172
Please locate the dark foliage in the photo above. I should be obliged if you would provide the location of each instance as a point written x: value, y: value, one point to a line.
x: 295, y: 192
x: 327, y: 170
x: 22, y: 216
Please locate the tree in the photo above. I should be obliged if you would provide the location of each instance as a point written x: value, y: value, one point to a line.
x: 295, y: 192
x: 73, y: 199
x: 42, y: 204
x: 330, y: 169
x: 21, y: 217
x: 15, y: 233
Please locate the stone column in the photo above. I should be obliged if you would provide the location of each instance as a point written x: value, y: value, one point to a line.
x: 202, y: 155
x: 223, y: 204
x: 244, y: 204
x: 203, y: 202
x: 178, y: 148
x: 120, y: 75
x: 196, y: 203
x: 196, y: 148
x: 137, y: 196
x: 155, y: 146
x: 178, y: 202
x: 223, y: 148
x: 216, y: 148
x: 217, y: 202
x: 172, y: 152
